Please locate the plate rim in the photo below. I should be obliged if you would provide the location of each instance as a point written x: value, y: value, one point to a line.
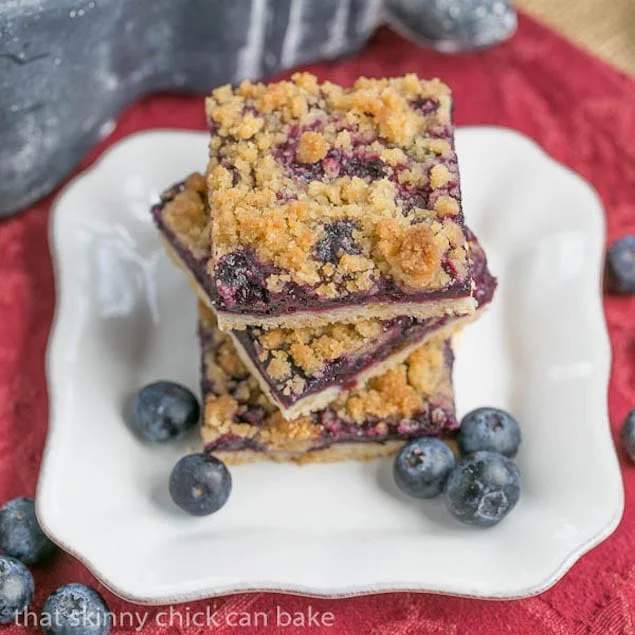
x: 216, y: 590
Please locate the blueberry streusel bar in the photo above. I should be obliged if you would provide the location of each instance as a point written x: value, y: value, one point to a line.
x: 241, y: 425
x: 334, y: 204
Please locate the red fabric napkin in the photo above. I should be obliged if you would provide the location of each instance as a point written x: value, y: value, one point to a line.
x: 582, y: 112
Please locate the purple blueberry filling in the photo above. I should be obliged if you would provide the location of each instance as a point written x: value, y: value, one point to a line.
x: 428, y: 422
x: 295, y: 297
x: 234, y: 443
x: 484, y: 281
x: 432, y: 421
x: 336, y: 163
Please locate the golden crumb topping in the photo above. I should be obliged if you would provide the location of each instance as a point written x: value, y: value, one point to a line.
x: 312, y: 147
x: 292, y: 162
x: 235, y: 404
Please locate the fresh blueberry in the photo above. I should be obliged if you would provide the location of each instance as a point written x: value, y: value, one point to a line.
x: 164, y: 411
x: 200, y: 484
x: 338, y: 240
x: 628, y: 435
x: 16, y: 589
x: 482, y: 489
x: 489, y: 429
x: 422, y: 467
x: 20, y: 534
x: 75, y: 609
x: 620, y: 266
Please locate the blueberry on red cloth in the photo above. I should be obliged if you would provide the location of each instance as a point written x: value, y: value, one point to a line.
x: 20, y: 533
x: 16, y: 589
x: 75, y: 609
x: 482, y: 489
x: 200, y: 484
x: 620, y: 266
x: 628, y: 435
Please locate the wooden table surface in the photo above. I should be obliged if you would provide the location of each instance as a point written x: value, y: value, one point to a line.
x: 605, y: 27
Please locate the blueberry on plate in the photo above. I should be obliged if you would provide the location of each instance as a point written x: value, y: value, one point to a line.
x: 489, y: 429
x: 628, y: 435
x: 20, y: 534
x: 164, y: 411
x: 200, y: 484
x: 620, y: 266
x: 482, y: 489
x: 75, y: 609
x: 422, y: 467
x: 16, y: 589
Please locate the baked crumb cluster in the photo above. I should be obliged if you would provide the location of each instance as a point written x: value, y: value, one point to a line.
x: 334, y: 188
x: 398, y: 400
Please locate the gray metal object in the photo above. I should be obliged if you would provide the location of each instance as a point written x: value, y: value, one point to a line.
x: 67, y: 67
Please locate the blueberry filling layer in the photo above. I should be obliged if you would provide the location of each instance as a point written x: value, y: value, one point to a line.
x: 246, y: 291
x: 234, y: 443
x: 338, y: 240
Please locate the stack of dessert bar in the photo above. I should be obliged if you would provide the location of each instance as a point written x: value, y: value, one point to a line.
x: 327, y: 246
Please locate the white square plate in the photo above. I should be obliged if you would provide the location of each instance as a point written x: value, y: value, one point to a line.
x: 125, y: 316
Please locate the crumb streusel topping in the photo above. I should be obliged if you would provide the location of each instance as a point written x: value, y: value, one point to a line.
x: 236, y: 406
x: 336, y: 188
